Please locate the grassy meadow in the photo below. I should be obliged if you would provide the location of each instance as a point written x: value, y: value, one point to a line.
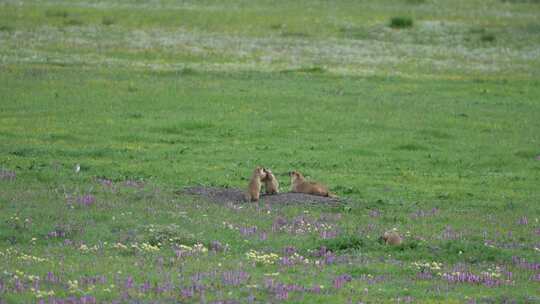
x: 424, y: 115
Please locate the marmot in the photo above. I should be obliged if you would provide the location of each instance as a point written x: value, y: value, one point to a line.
x: 254, y: 187
x: 391, y: 237
x: 271, y: 183
x: 299, y: 184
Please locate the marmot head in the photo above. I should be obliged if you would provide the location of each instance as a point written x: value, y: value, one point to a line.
x: 296, y: 175
x: 260, y: 172
x: 269, y: 174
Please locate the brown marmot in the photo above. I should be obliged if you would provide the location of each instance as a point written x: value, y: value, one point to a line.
x: 392, y: 237
x: 255, y: 183
x: 299, y: 184
x: 271, y: 183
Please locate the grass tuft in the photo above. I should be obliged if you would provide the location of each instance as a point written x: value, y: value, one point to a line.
x: 309, y: 70
x: 6, y: 28
x: 487, y: 37
x: 411, y: 147
x: 54, y: 13
x: 343, y: 243
x: 401, y: 22
x: 73, y: 22
x: 107, y: 20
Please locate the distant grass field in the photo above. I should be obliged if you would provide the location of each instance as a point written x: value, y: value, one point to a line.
x: 432, y: 128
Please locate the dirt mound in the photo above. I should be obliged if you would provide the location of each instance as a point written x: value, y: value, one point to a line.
x: 232, y: 195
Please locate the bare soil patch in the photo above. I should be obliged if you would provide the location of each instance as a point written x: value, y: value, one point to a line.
x: 233, y: 195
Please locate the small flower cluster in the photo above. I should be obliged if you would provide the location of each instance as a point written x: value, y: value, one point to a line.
x: 105, y: 182
x: 30, y: 258
x: 73, y: 285
x: 450, y: 234
x: 120, y: 246
x: 21, y: 275
x: 374, y: 213
x: 42, y: 294
x: 422, y: 213
x: 524, y: 264
x: 247, y: 230
x: 133, y: 183
x: 56, y: 233
x: 86, y: 200
x: 340, y: 280
x: 143, y: 247
x: 496, y: 273
x: 281, y: 290
x: 432, y: 267
x: 17, y: 223
x: 302, y: 225
x: 262, y: 258
x: 184, y: 250
x: 234, y: 278
x: 164, y: 234
x: 488, y: 279
x: 325, y: 256
x: 293, y: 259
x: 329, y: 234
x: 147, y: 247
x: 85, y: 249
x: 523, y: 221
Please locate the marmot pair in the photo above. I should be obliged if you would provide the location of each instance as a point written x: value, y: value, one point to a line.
x: 260, y: 176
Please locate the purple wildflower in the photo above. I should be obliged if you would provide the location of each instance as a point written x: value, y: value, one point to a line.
x: 19, y: 286
x: 289, y: 250
x: 374, y: 213
x: 327, y: 256
x: 105, y: 182
x: 87, y: 299
x: 471, y: 278
x: 134, y: 184
x: 281, y: 293
x: 422, y: 213
x: 86, y: 200
x: 187, y: 292
x: 340, y: 280
x: 145, y: 287
x: 7, y: 175
x: 246, y: 231
x: 287, y: 261
x: 524, y: 264
x: 523, y: 220
x: 51, y: 278
x: 315, y: 289
x: 279, y: 223
x: 129, y: 282
x: 234, y: 278
x: 58, y: 232
x: 424, y: 275
x: 329, y: 234
x: 450, y: 234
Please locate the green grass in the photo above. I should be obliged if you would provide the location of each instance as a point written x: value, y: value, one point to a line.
x: 433, y: 131
x: 401, y: 22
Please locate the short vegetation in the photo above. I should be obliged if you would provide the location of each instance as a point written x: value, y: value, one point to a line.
x: 110, y: 109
